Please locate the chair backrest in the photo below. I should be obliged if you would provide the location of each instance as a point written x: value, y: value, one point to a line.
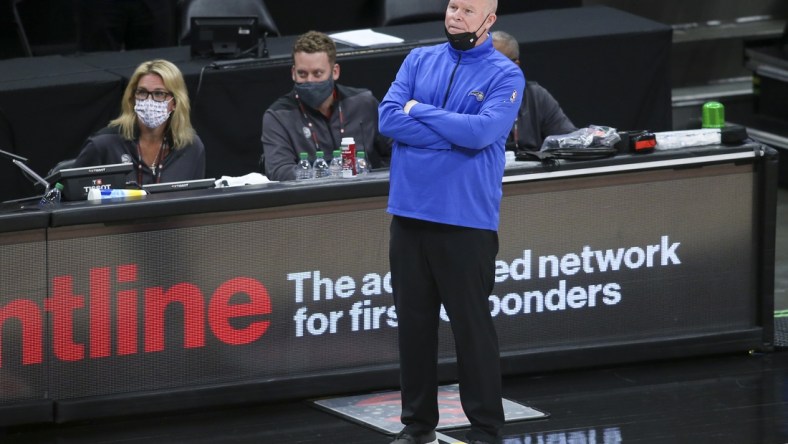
x: 62, y: 165
x: 395, y: 12
x: 226, y: 8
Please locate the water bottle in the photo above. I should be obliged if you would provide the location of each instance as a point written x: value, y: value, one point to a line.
x: 303, y: 169
x: 320, y: 167
x: 336, y: 164
x: 52, y: 197
x: 362, y: 167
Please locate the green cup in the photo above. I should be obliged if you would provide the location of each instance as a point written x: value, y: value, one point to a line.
x: 713, y: 115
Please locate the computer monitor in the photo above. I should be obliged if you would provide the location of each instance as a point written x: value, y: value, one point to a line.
x: 223, y: 37
x: 77, y: 182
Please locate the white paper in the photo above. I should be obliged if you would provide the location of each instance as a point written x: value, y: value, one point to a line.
x: 365, y: 37
x: 249, y: 179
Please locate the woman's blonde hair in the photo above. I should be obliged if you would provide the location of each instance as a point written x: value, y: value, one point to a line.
x: 180, y: 124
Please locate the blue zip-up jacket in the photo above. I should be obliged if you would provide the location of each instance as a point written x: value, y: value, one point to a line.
x: 448, y: 154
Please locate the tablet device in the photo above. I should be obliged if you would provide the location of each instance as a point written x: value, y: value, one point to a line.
x: 180, y: 185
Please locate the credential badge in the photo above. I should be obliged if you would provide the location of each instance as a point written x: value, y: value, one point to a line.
x: 307, y: 132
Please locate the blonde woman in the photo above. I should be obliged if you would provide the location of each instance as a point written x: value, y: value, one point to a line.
x: 153, y: 131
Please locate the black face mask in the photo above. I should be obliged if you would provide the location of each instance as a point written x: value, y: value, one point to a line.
x: 464, y: 41
x: 314, y: 93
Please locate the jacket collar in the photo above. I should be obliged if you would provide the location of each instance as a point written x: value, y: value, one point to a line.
x: 474, y: 54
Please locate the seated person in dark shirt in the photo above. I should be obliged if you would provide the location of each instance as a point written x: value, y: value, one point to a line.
x: 153, y: 131
x: 318, y: 113
x: 540, y: 114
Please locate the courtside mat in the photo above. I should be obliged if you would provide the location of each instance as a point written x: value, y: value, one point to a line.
x: 381, y: 410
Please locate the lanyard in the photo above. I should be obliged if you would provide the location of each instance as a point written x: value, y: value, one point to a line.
x: 308, y: 121
x: 156, y: 167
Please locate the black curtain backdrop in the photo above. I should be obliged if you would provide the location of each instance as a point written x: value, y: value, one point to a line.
x: 53, y: 25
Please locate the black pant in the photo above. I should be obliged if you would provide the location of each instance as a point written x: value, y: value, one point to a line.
x: 431, y: 264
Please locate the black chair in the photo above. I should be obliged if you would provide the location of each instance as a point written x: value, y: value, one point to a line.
x: 394, y: 12
x: 62, y: 165
x: 226, y: 8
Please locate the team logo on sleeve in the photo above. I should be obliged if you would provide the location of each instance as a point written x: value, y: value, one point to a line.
x: 125, y: 159
x: 478, y: 94
x: 514, y: 96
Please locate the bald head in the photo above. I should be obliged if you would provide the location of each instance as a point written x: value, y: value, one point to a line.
x: 464, y: 17
x: 490, y: 6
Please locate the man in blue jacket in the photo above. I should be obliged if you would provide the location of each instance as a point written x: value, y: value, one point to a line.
x: 449, y: 111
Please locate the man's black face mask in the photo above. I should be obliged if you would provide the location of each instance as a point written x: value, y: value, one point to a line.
x: 464, y: 41
x: 314, y: 93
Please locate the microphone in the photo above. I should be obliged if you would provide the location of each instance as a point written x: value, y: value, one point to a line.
x: 32, y: 173
x: 361, y: 135
x: 12, y: 156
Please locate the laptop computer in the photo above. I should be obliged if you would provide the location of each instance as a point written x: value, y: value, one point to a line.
x: 77, y: 182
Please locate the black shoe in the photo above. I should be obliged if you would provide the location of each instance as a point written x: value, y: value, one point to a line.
x: 404, y: 438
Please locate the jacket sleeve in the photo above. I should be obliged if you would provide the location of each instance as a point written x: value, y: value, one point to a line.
x: 199, y: 161
x: 480, y: 130
x: 381, y: 145
x: 278, y: 152
x: 552, y: 119
x: 403, y: 128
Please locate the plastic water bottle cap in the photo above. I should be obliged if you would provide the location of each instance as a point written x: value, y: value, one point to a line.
x: 713, y: 115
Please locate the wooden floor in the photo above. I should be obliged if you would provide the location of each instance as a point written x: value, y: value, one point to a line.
x: 738, y: 399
